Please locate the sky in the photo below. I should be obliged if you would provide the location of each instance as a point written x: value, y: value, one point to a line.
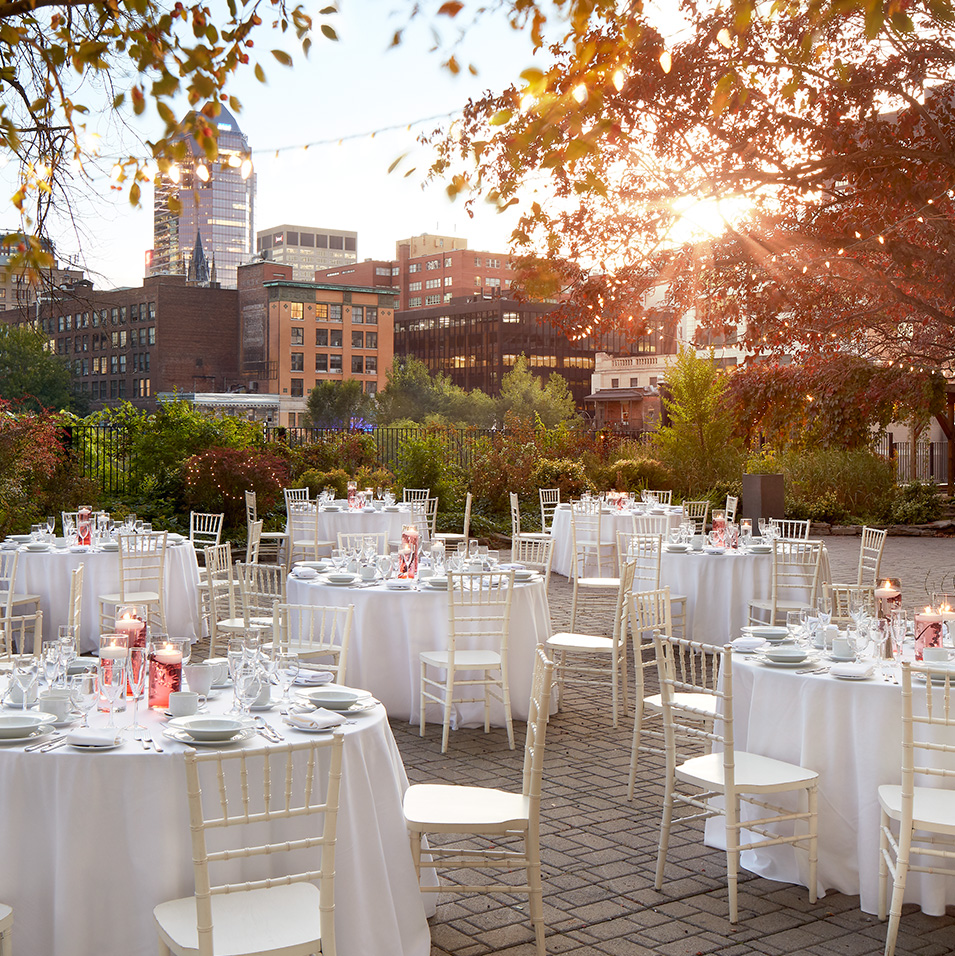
x: 343, y: 90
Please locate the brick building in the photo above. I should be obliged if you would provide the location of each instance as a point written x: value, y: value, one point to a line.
x: 296, y: 334
x: 17, y: 289
x: 129, y: 344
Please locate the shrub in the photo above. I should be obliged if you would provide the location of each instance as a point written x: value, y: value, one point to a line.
x: 332, y: 450
x: 317, y: 481
x: 429, y: 460
x: 217, y: 480
x: 378, y: 478
x: 634, y: 475
x: 918, y: 502
x: 562, y: 473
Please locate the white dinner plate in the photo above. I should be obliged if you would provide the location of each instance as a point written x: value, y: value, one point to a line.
x: 182, y: 737
x: 805, y: 662
x: 339, y: 584
x: 42, y: 731
x: 309, y: 730
x: 853, y: 676
x: 105, y: 745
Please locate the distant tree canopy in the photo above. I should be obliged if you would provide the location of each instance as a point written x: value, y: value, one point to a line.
x: 30, y: 377
x: 339, y: 404
x: 524, y: 395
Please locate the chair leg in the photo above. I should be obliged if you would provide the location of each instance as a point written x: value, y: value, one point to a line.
x: 665, y: 822
x: 635, y: 745
x: 415, y: 839
x: 6, y: 944
x: 573, y: 608
x: 625, y: 677
x: 448, y: 695
x: 898, y: 891
x: 732, y: 854
x: 883, y: 866
x: 509, y: 722
x: 613, y: 690
x: 813, y: 798
x: 535, y: 903
x: 421, y: 701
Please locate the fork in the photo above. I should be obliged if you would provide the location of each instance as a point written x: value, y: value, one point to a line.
x: 145, y: 741
x: 156, y: 745
x: 53, y: 745
x: 44, y: 743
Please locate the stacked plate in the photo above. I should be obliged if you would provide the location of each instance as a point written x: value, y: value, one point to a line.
x: 209, y: 731
x: 341, y: 578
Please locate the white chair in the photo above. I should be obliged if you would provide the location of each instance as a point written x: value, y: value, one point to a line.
x: 550, y: 499
x: 315, y: 633
x: 795, y: 581
x: 697, y: 512
x: 205, y: 529
x: 415, y: 494
x: 245, y: 812
x: 452, y: 537
x: 260, y: 587
x: 271, y: 543
x: 738, y: 777
x: 22, y: 634
x: 142, y: 563
x: 791, y: 529
x: 595, y: 657
x: 349, y: 540
x: 218, y: 604
x: 74, y: 614
x: 294, y: 494
x: 871, y: 546
x: 652, y: 524
x: 13, y: 603
x: 516, y: 531
x: 418, y: 518
x: 431, y: 514
x: 650, y: 614
x: 6, y: 927
x: 304, y: 538
x: 732, y: 503
x: 590, y: 553
x: 254, y: 543
x: 535, y: 554
x: 484, y: 813
x: 925, y: 813
x: 662, y: 497
x: 479, y: 613
x: 646, y: 551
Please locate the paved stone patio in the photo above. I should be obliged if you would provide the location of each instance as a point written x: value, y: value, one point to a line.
x: 599, y: 850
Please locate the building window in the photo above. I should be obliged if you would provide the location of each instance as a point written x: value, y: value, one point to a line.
x: 152, y: 336
x: 447, y: 262
x: 634, y: 382
x: 335, y: 364
x: 358, y: 314
x: 335, y: 338
x: 371, y: 364
x: 478, y: 262
x: 122, y: 363
x: 321, y: 338
x: 114, y: 364
x: 321, y: 363
x: 371, y: 315
x: 371, y: 388
x: 653, y: 381
x: 334, y: 313
x: 413, y: 301
x: 357, y: 340
x: 493, y: 283
x: 615, y: 383
x: 371, y: 340
x: 296, y: 311
x: 414, y: 267
x: 357, y: 364
x: 122, y: 316
x: 114, y: 316
x: 434, y: 264
x: 298, y: 362
x: 396, y: 270
x: 493, y: 263
x: 414, y: 287
x: 298, y: 336
x: 447, y: 280
x: 134, y: 313
x: 297, y: 387
x: 321, y: 312
x: 432, y: 300
x: 433, y: 284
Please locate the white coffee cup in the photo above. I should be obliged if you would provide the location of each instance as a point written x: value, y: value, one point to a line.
x: 199, y: 677
x: 220, y: 669
x: 697, y: 541
x: 56, y: 702
x: 369, y: 572
x: 935, y: 655
x: 185, y: 703
x: 841, y: 648
x: 265, y: 696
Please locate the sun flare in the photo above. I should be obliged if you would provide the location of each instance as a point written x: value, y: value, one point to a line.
x: 705, y: 218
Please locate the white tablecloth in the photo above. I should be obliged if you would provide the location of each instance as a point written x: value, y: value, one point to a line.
x: 850, y: 733
x: 610, y: 524
x: 365, y: 521
x: 391, y: 628
x: 47, y: 573
x: 93, y: 841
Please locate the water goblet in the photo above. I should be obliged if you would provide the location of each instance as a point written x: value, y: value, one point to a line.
x: 287, y: 669
x: 384, y: 565
x: 138, y: 670
x: 50, y: 524
x: 112, y: 682
x: 794, y: 626
x: 26, y: 674
x: 249, y: 681
x: 823, y: 610
x: 898, y: 627
x: 84, y: 692
x: 472, y: 548
x: 50, y: 656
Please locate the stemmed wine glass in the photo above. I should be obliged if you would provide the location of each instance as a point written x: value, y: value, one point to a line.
x: 286, y: 669
x: 249, y: 680
x: 84, y: 692
x: 50, y: 524
x: 138, y: 670
x: 112, y: 682
x: 50, y: 655
x: 26, y: 673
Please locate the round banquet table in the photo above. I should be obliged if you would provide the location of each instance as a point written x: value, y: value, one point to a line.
x: 365, y: 521
x: 611, y: 522
x: 850, y: 733
x: 390, y: 629
x: 93, y: 841
x: 47, y: 573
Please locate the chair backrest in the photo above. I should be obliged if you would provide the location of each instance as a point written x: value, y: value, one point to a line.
x: 420, y: 519
x: 870, y: 556
x: 538, y: 713
x: 585, y: 529
x: 686, y: 670
x: 644, y: 550
x: 251, y: 507
x: 8, y: 580
x: 348, y: 540
x: 415, y: 494
x: 550, y: 499
x: 790, y: 528
x: 621, y: 612
x: 142, y: 559
x: 254, y: 541
x: 652, y: 524
x: 302, y: 522
x: 74, y: 614
x: 515, y: 516
x: 697, y: 511
x: 732, y: 503
x: 260, y: 586
x: 239, y: 795
x: 219, y: 595
x: 18, y: 633
x: 294, y: 494
x: 662, y: 497
x: 316, y: 632
x: 796, y: 566
x: 467, y: 515
x: 928, y: 728
x: 205, y: 528
x: 536, y: 554
x: 431, y: 513
x: 650, y: 611
x: 479, y: 609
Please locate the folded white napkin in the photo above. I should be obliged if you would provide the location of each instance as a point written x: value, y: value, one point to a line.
x: 314, y: 678
x: 747, y: 643
x: 857, y: 669
x: 92, y: 737
x: 315, y: 719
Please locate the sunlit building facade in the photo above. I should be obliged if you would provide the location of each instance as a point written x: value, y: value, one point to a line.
x: 307, y: 248
x: 213, y: 200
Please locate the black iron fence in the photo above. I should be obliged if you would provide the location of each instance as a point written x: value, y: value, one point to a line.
x: 931, y: 459
x: 103, y: 453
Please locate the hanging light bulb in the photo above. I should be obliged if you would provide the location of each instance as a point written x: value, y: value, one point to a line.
x: 202, y: 171
x: 174, y: 174
x: 246, y: 168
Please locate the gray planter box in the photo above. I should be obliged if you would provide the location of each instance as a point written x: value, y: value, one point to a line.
x: 763, y: 497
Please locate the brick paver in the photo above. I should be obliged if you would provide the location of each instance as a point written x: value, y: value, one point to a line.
x: 599, y: 850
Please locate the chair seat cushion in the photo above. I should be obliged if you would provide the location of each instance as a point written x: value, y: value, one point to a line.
x: 932, y: 809
x: 433, y: 808
x: 279, y: 920
x: 19, y: 598
x: 131, y: 597
x: 595, y: 643
x: 463, y: 660
x: 599, y: 582
x: 754, y: 773
x: 274, y: 536
x: 704, y: 702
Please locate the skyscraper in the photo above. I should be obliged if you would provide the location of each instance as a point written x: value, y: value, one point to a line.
x: 215, y: 201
